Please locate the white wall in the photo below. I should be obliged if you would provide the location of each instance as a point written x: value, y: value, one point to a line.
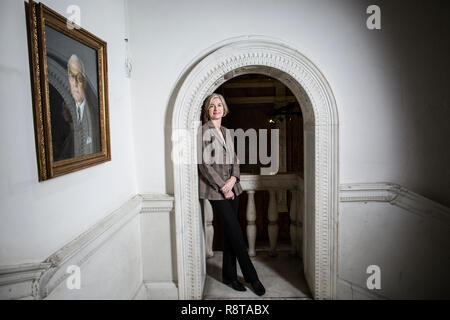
x: 110, y: 262
x: 407, y: 236
x: 39, y: 218
x: 159, y: 259
x: 402, y: 244
x: 389, y: 84
x: 391, y: 91
x: 104, y: 262
x: 390, y: 87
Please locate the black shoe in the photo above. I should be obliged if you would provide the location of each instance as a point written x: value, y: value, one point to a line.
x: 236, y: 285
x: 258, y: 288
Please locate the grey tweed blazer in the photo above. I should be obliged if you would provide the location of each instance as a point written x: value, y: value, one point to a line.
x: 216, y: 163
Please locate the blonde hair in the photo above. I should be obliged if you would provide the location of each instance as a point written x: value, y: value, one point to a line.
x: 208, y: 103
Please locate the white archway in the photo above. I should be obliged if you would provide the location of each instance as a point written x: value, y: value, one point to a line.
x: 256, y: 55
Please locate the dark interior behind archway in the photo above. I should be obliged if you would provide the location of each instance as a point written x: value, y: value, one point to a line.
x: 261, y: 102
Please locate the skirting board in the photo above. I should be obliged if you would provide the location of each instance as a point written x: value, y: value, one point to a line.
x: 141, y: 293
x: 161, y: 290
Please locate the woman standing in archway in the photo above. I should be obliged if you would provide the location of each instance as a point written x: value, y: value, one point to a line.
x: 219, y: 183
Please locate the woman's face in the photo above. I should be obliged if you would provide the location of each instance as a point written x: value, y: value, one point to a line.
x: 215, y: 110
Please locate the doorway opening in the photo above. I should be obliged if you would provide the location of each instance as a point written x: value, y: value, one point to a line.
x: 272, y: 58
x: 259, y: 102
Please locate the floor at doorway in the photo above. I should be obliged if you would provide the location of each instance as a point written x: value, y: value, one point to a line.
x: 282, y: 276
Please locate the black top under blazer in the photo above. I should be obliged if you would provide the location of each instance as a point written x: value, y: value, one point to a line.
x: 212, y: 176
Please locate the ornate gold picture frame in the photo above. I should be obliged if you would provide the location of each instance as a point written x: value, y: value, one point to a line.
x: 69, y: 81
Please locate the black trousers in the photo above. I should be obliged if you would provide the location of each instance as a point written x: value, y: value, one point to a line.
x: 234, y: 246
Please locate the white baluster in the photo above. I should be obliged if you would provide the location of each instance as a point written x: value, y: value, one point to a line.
x: 300, y: 219
x: 209, y: 228
x: 293, y: 226
x: 251, y: 225
x: 273, y: 222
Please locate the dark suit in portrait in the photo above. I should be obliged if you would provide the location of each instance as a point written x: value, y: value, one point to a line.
x: 86, y: 125
x: 86, y: 130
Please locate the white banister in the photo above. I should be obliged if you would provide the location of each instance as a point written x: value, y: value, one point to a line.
x: 300, y: 219
x: 273, y: 184
x: 209, y: 228
x: 293, y: 225
x: 272, y: 215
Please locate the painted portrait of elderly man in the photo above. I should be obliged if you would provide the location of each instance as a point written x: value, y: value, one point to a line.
x: 73, y: 95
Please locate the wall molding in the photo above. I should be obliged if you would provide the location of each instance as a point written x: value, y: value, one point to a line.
x: 46, y: 276
x: 83, y: 247
x: 167, y: 290
x: 19, y: 282
x: 396, y: 195
x: 157, y: 203
x: 20, y: 273
x: 38, y: 280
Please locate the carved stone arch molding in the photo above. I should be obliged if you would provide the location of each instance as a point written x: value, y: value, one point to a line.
x: 273, y: 58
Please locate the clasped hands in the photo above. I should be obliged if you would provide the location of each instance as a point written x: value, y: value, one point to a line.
x: 227, y: 188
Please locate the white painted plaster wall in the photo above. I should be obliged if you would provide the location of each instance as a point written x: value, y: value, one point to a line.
x: 38, y: 218
x: 389, y: 84
x: 111, y: 271
x: 411, y: 250
x: 390, y: 87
